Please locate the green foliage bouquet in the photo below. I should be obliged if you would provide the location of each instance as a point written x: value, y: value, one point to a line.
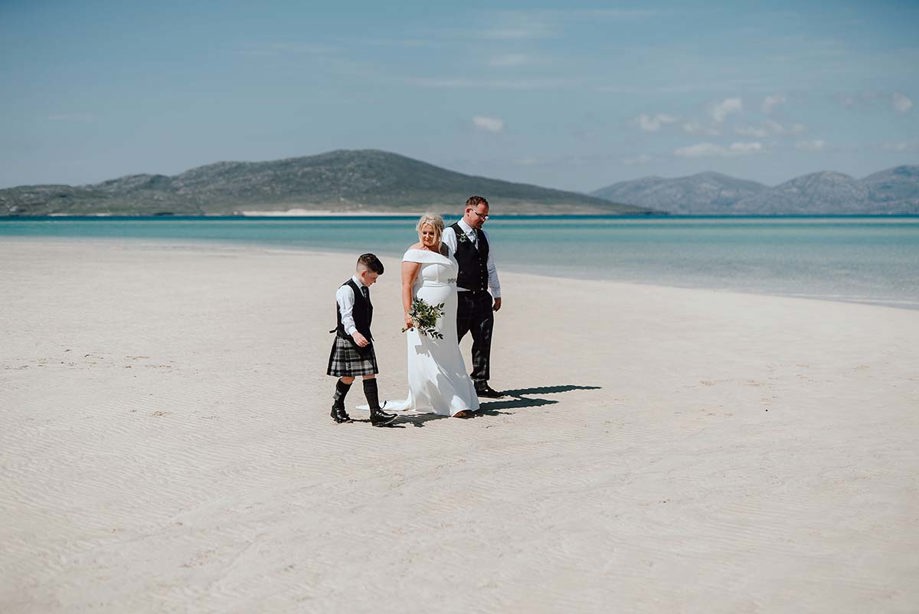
x: 425, y: 316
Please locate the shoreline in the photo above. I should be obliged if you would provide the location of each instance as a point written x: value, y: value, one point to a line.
x: 231, y: 244
x: 307, y: 213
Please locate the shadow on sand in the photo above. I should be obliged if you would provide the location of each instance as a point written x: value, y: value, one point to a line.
x: 519, y: 400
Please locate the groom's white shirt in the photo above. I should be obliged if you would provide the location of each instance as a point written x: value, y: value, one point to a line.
x: 449, y: 237
x: 345, y: 298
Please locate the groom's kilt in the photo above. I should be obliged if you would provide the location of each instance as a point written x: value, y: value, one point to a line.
x: 347, y: 359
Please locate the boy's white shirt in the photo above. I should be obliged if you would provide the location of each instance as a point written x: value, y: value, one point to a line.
x: 345, y: 299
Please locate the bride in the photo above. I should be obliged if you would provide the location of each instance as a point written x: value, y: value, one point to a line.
x: 437, y: 377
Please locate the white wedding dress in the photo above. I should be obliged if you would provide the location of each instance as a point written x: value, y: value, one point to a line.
x: 437, y: 378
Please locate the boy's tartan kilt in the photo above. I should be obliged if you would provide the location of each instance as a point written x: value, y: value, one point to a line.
x: 346, y: 359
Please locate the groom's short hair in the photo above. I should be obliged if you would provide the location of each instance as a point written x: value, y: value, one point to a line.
x: 371, y: 263
x: 475, y: 201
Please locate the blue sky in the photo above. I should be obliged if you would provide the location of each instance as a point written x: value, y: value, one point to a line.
x: 574, y: 95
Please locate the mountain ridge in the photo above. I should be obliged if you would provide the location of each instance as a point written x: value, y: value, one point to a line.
x: 888, y: 192
x: 342, y: 181
x: 369, y: 181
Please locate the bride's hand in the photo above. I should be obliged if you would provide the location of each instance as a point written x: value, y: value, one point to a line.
x: 409, y: 323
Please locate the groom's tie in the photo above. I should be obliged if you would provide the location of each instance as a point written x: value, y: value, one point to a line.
x: 366, y: 292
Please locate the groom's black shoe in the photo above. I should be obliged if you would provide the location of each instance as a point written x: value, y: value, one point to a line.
x: 339, y: 414
x: 484, y: 390
x: 378, y: 417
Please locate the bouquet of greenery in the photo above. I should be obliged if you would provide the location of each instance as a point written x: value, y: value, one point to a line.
x: 425, y: 316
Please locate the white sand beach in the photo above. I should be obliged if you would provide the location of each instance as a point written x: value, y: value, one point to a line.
x: 165, y: 445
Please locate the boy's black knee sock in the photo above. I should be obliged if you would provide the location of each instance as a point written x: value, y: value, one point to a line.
x: 341, y: 391
x: 373, y: 396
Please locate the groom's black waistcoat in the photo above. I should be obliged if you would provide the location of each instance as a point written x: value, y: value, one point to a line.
x: 362, y: 313
x: 473, y: 263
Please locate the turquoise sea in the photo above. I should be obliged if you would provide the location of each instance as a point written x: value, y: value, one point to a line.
x: 859, y: 259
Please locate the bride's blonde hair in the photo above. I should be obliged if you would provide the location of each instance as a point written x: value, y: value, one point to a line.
x: 434, y: 221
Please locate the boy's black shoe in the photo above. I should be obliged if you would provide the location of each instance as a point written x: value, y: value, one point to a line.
x: 381, y: 418
x: 339, y: 414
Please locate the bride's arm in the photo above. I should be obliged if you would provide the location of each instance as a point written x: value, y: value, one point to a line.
x: 409, y: 273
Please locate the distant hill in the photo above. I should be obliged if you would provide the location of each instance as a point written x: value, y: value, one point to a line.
x: 893, y: 191
x: 339, y: 181
x: 715, y: 192
x: 824, y: 192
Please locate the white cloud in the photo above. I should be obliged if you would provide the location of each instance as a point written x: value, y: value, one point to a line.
x: 752, y: 131
x: 777, y: 128
x: 740, y: 149
x: 769, y: 128
x: 901, y: 146
x: 637, y: 160
x: 702, y: 150
x: 867, y: 100
x: 623, y: 13
x: 488, y: 124
x: 771, y: 102
x: 491, y: 84
x: 694, y: 127
x: 509, y: 60
x: 851, y: 101
x: 718, y: 124
x: 814, y: 145
x: 901, y: 102
x: 519, y: 25
x: 711, y: 150
x: 721, y: 110
x: 653, y: 123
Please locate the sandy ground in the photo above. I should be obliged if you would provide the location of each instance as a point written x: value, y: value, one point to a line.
x: 165, y: 445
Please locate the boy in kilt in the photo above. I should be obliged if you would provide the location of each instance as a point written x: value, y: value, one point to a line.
x: 352, y: 351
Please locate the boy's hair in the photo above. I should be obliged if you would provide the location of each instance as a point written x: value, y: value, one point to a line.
x: 371, y: 263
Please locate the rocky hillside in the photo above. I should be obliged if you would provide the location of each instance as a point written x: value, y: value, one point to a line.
x: 339, y: 181
x: 817, y: 193
x: 684, y: 195
x: 893, y: 191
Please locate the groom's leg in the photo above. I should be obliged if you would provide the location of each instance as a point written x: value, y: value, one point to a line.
x: 465, y: 310
x: 483, y: 323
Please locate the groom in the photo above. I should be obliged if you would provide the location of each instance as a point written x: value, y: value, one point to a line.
x: 477, y: 273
